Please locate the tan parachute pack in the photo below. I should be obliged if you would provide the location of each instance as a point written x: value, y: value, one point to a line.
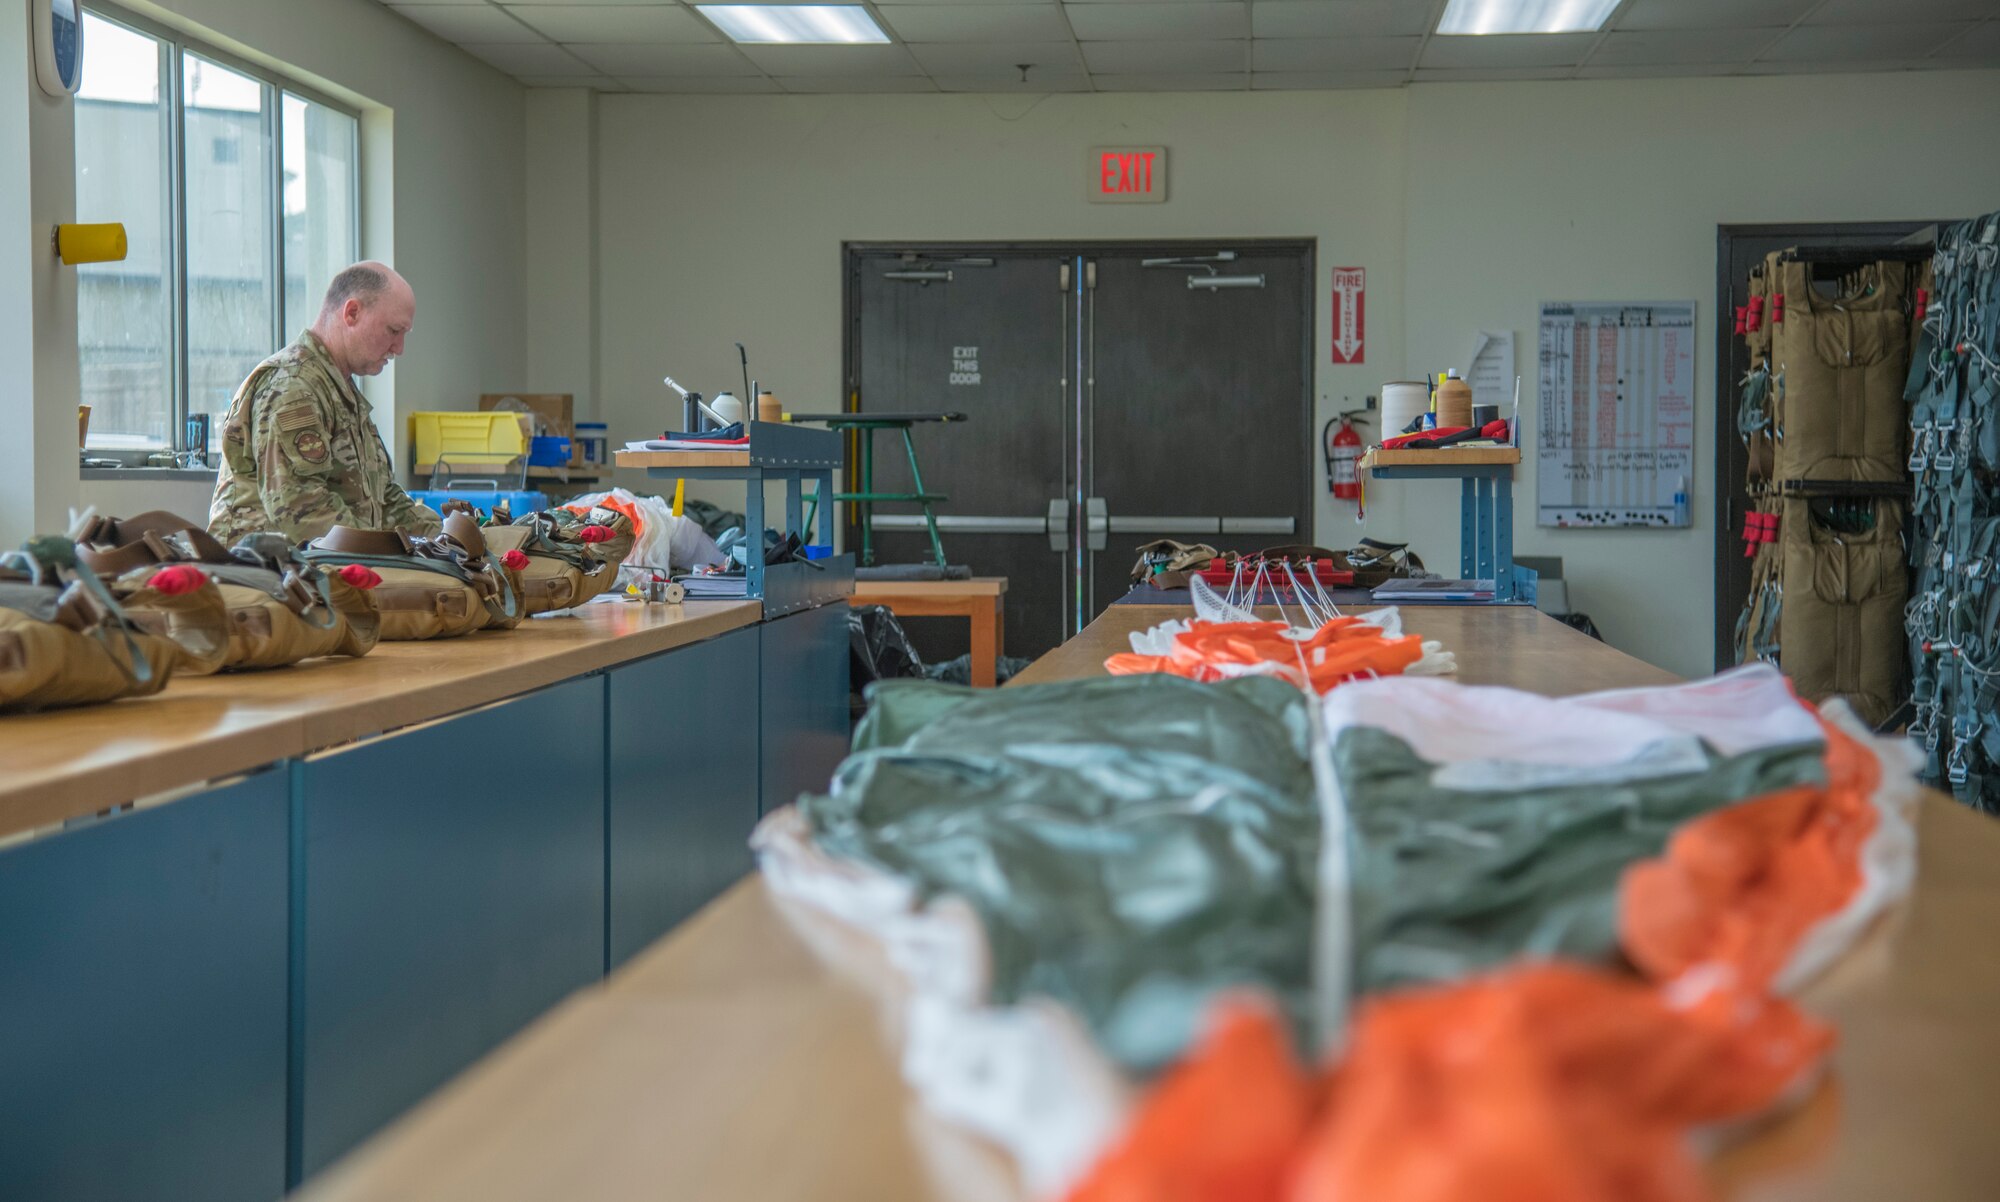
x: 69, y: 638
x: 564, y: 561
x: 437, y: 586
x: 282, y: 609
x: 1840, y: 624
x: 1838, y: 366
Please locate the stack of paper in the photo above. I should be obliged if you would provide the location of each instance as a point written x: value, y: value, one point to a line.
x: 715, y: 586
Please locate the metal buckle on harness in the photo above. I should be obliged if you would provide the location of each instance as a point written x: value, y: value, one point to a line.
x: 1920, y: 727
x: 1945, y: 459
x: 1955, y: 767
x: 1920, y: 443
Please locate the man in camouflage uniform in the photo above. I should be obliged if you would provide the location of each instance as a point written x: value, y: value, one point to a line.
x: 300, y: 453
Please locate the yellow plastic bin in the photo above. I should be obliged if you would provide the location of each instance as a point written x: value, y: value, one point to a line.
x: 467, y: 437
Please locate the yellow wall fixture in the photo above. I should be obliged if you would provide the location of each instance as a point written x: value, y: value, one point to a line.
x: 90, y: 243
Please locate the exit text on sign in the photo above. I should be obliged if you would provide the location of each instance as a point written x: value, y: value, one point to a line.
x: 1126, y: 174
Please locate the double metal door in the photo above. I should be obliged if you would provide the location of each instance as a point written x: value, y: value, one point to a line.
x: 1114, y: 395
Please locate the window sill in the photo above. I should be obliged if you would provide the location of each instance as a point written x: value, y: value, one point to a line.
x: 155, y: 474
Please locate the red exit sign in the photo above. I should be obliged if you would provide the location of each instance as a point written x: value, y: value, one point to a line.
x: 1127, y: 175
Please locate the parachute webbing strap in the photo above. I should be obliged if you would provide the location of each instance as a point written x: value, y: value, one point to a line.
x: 1954, y: 610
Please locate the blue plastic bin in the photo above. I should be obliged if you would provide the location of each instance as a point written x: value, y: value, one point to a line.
x: 548, y: 450
x: 519, y: 501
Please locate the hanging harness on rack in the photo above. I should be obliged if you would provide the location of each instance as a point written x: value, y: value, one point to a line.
x: 1952, y: 621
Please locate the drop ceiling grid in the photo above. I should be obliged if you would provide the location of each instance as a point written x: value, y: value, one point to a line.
x: 1171, y: 45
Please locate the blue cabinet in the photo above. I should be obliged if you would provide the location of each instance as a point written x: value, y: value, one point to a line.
x: 683, y: 784
x: 804, y: 701
x: 451, y: 882
x: 142, y: 1003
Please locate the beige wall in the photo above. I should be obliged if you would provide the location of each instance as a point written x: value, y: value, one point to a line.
x: 443, y: 184
x: 1612, y: 191
x: 720, y: 219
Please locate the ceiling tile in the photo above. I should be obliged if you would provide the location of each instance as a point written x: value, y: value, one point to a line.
x: 1232, y: 81
x: 1489, y: 74
x: 597, y: 83
x: 602, y: 3
x: 1335, y: 54
x: 999, y: 58
x: 1338, y: 18
x: 1713, y: 14
x: 424, y: 3
x: 1821, y: 67
x: 1323, y: 81
x: 625, y: 59
x: 539, y: 59
x: 1165, y: 58
x: 609, y: 23
x: 825, y: 84
x: 1005, y: 84
x: 1147, y: 22
x: 1855, y: 43
x: 1657, y: 46
x: 1981, y: 45
x: 1652, y: 71
x: 977, y: 22
x: 700, y: 84
x: 834, y: 60
x: 1508, y: 50
x: 464, y: 24
x: 1898, y: 12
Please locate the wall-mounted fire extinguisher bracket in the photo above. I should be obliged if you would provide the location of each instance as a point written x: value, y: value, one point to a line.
x: 1342, y: 444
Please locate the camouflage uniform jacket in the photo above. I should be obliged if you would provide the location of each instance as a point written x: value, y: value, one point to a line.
x: 300, y: 455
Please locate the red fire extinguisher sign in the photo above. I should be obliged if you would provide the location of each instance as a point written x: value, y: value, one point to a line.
x: 1349, y: 295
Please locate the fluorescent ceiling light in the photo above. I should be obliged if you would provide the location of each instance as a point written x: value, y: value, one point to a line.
x: 1525, y: 16
x: 766, y: 24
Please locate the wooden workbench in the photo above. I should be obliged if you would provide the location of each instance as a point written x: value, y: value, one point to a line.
x: 981, y: 600
x: 247, y: 921
x: 750, y: 1055
x: 65, y: 764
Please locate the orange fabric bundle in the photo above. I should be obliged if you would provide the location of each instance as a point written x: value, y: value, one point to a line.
x: 1222, y: 1126
x: 1742, y: 886
x: 1547, y: 1083
x: 1339, y: 651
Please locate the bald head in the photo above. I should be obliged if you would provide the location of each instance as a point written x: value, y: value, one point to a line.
x: 366, y: 314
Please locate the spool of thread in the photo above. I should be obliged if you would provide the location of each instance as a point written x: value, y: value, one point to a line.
x: 1454, y: 403
x: 728, y: 408
x: 1483, y: 415
x: 1403, y: 402
x: 768, y: 409
x: 103, y: 243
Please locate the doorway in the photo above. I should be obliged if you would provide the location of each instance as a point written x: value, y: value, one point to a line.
x: 1737, y: 249
x: 1115, y: 393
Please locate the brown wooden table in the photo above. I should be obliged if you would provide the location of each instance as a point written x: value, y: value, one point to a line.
x: 65, y: 764
x: 981, y: 600
x: 750, y: 1055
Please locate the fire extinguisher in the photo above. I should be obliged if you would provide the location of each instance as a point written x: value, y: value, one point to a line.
x: 1343, y: 454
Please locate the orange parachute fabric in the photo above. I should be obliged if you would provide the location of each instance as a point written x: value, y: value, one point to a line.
x: 1740, y: 887
x: 1343, y: 649
x: 1544, y: 1083
x: 1222, y: 1126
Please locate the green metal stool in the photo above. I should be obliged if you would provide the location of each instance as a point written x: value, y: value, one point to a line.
x: 868, y: 498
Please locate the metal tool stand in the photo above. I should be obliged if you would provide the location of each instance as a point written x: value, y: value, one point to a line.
x: 777, y: 452
x: 866, y: 500
x: 1485, y: 523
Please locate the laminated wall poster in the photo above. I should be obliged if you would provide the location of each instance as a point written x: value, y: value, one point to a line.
x: 1615, y: 440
